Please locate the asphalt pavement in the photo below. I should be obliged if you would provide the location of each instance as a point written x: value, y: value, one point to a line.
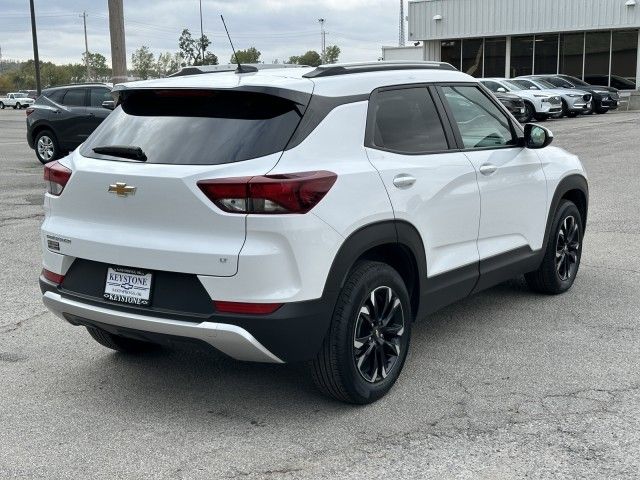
x: 506, y: 384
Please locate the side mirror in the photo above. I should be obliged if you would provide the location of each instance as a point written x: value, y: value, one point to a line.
x: 536, y: 136
x: 501, y: 90
x: 110, y: 104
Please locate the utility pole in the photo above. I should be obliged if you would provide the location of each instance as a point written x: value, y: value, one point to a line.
x: 34, y: 35
x: 86, y: 47
x: 201, y: 33
x: 401, y: 37
x: 118, y: 50
x: 323, y: 38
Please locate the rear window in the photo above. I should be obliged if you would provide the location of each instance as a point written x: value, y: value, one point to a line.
x: 197, y: 127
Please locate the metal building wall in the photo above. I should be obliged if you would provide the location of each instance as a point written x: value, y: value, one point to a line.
x: 481, y: 18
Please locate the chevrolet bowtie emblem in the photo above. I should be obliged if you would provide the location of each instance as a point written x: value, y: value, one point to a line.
x: 122, y: 189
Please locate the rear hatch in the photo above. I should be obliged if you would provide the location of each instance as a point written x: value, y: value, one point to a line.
x: 125, y: 210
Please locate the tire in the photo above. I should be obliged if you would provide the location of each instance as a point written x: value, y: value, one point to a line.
x: 343, y: 369
x: 14, y: 107
x: 119, y: 343
x: 601, y: 110
x: 18, y: 106
x: 49, y: 150
x: 1, y: 106
x: 528, y: 113
x: 565, y: 109
x: 551, y: 277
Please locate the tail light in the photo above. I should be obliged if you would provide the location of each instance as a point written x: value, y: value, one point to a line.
x: 269, y: 194
x: 52, y: 277
x: 56, y: 177
x: 246, y: 308
x: 29, y: 111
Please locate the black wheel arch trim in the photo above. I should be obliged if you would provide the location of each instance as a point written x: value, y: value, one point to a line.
x: 567, y: 184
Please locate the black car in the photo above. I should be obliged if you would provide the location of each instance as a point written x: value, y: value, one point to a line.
x: 616, y: 81
x: 63, y: 117
x: 514, y: 104
x: 604, y: 98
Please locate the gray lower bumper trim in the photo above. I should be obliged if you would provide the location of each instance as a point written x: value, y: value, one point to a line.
x: 230, y: 339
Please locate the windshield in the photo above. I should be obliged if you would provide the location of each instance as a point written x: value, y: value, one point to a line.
x: 512, y: 86
x: 196, y: 127
x: 544, y: 83
x: 576, y: 81
x: 526, y: 84
x: 559, y: 82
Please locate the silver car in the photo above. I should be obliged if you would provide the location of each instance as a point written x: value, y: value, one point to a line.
x: 574, y: 102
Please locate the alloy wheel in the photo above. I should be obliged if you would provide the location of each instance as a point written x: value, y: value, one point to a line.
x: 45, y: 148
x: 377, y: 335
x: 567, y: 248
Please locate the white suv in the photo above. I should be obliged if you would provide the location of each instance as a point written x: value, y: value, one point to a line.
x: 304, y: 214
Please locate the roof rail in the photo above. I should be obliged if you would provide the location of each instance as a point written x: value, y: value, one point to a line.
x: 346, y: 68
x: 252, y: 67
x: 79, y: 84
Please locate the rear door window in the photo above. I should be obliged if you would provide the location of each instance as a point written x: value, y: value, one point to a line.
x: 74, y: 97
x: 197, y: 127
x: 406, y: 121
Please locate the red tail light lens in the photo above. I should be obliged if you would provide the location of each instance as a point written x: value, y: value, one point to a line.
x: 52, y: 277
x: 29, y: 111
x: 269, y: 194
x: 246, y: 308
x: 56, y: 176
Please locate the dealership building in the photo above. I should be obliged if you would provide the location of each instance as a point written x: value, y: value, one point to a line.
x: 595, y: 40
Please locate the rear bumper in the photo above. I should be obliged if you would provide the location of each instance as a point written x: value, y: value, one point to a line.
x: 293, y: 333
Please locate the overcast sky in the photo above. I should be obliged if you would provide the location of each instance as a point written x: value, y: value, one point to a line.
x: 278, y: 28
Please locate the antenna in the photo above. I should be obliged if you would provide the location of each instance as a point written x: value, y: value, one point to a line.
x: 240, y: 69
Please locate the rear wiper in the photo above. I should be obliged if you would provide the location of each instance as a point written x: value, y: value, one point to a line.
x: 123, y: 151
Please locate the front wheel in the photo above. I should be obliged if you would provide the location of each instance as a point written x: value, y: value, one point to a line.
x: 367, y: 343
x: 561, y: 261
x: 528, y: 113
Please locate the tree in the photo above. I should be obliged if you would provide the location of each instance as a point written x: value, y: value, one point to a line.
x: 143, y: 62
x: 168, y: 63
x: 250, y: 55
x: 209, y: 59
x: 97, y: 65
x: 311, y: 58
x: 194, y: 51
x: 331, y: 54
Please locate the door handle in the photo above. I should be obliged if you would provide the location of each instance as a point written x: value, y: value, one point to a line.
x: 403, y: 180
x: 488, y: 169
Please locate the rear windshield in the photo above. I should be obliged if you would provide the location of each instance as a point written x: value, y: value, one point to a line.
x: 197, y: 127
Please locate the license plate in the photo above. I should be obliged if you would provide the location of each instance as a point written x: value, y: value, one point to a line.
x: 128, y: 285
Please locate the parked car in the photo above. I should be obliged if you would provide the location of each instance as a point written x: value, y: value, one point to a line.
x: 514, y: 103
x: 63, y: 117
x: 539, y: 104
x: 604, y: 98
x: 304, y: 214
x: 574, y: 102
x: 15, y: 100
x: 617, y: 82
x: 30, y: 93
